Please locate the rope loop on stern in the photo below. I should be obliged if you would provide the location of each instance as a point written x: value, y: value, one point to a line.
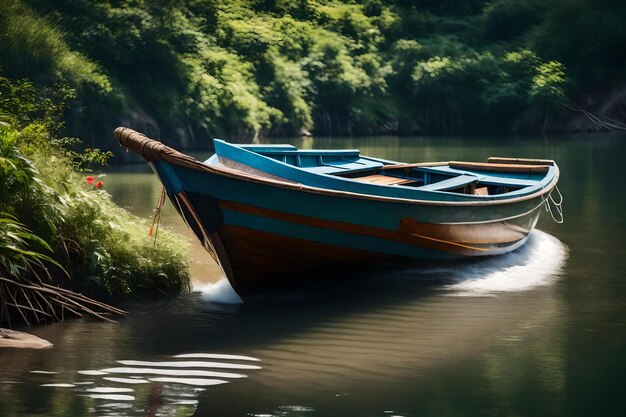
x: 557, y: 212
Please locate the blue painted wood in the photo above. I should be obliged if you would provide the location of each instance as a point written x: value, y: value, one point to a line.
x: 270, y: 148
x: 347, y: 240
x: 454, y: 182
x: 379, y: 213
x: 308, y: 169
x: 273, y: 150
x: 361, y: 212
x: 267, y: 231
x: 342, y: 167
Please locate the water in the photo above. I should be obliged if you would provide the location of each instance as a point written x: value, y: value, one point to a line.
x: 539, y: 332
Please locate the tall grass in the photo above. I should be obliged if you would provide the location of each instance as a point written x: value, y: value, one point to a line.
x: 56, y: 227
x: 31, y: 46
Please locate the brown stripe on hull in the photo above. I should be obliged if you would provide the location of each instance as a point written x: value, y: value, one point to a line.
x: 461, y: 239
x: 254, y: 260
x: 499, y: 233
x: 260, y: 259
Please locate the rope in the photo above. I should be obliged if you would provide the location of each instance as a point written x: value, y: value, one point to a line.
x: 157, y: 216
x: 558, y: 206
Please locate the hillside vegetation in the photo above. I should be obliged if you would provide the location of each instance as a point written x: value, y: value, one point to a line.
x: 194, y: 69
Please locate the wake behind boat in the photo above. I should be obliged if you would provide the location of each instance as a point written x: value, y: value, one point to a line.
x: 272, y: 215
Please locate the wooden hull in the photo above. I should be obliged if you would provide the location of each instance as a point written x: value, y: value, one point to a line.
x: 267, y: 231
x: 260, y: 244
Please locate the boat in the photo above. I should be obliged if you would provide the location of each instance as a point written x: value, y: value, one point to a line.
x: 274, y: 215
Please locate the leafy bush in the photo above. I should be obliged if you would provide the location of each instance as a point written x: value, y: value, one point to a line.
x: 243, y: 67
x: 49, y: 214
x: 32, y: 47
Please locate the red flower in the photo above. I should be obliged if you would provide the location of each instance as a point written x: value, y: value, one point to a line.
x: 89, y: 180
x: 99, y: 184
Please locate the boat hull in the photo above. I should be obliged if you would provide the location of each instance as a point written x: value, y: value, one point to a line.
x: 264, y: 235
x: 266, y: 230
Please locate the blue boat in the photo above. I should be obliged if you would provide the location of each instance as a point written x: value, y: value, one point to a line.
x: 274, y: 215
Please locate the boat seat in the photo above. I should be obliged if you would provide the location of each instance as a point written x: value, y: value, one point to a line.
x: 513, y: 182
x: 343, y: 167
x: 384, y: 180
x: 269, y: 148
x: 494, y: 167
x: 449, y: 184
x: 486, y: 179
x: 324, y: 169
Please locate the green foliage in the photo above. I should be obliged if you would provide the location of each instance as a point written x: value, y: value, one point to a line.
x: 241, y: 67
x: 113, y: 247
x: 588, y: 37
x: 83, y: 231
x: 20, y: 253
x: 548, y: 85
x: 32, y: 47
x: 458, y: 92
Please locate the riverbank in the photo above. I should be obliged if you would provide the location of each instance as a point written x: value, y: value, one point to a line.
x: 60, y: 232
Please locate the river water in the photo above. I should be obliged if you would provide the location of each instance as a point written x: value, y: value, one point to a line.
x: 538, y: 332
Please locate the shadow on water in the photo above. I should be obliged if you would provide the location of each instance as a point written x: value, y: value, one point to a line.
x: 294, y: 353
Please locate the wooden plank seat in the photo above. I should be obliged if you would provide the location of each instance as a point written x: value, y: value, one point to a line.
x: 342, y: 167
x: 415, y: 165
x: 507, y: 182
x: 450, y: 184
x: 526, y: 161
x: 486, y: 179
x: 491, y: 166
x: 384, y: 180
x: 338, y: 169
x: 269, y: 148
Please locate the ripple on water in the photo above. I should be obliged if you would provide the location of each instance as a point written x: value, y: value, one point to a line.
x: 189, y: 364
x: 171, y: 372
x: 190, y: 381
x: 112, y: 397
x: 114, y: 406
x: 538, y: 263
x: 216, y: 356
x: 178, y: 380
x: 91, y: 372
x: 109, y: 390
x: 133, y: 381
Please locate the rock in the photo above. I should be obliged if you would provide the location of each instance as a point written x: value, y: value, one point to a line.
x: 15, y: 339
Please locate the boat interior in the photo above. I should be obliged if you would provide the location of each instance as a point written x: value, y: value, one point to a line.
x: 496, y: 176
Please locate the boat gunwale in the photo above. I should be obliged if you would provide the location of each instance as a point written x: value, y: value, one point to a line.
x: 381, y: 190
x: 153, y: 150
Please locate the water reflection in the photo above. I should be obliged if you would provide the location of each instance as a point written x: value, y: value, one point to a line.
x: 167, y: 385
x: 344, y: 350
x: 537, y: 332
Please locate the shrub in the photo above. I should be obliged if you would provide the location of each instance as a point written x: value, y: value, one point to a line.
x: 48, y: 207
